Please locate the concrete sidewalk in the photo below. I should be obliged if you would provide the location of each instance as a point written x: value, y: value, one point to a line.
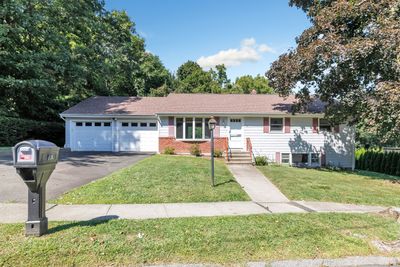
x: 17, y: 212
x: 256, y: 185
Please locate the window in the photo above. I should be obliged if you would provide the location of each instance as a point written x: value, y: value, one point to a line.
x: 107, y: 124
x: 192, y: 128
x: 134, y: 124
x: 189, y: 128
x: 314, y: 158
x: 125, y: 124
x: 97, y: 124
x: 276, y: 125
x: 324, y: 125
x: 88, y: 124
x: 143, y: 124
x: 198, y: 128
x: 78, y: 123
x: 236, y: 120
x: 152, y: 124
x: 300, y: 159
x: 285, y: 158
x: 207, y: 131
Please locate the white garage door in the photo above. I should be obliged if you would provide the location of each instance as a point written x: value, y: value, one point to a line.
x: 138, y: 135
x: 91, y: 136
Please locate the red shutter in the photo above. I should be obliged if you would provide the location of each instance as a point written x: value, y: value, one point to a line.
x: 171, y: 130
x: 277, y: 157
x: 266, y: 125
x: 315, y: 125
x: 287, y: 125
x: 337, y: 128
x: 216, y: 130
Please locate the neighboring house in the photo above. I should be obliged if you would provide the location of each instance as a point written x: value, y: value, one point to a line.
x: 264, y: 123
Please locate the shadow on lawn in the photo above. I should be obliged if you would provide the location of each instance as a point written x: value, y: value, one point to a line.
x: 369, y: 174
x: 226, y: 182
x: 93, y: 222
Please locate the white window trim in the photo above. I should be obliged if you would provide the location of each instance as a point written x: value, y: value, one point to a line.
x: 193, y: 129
x: 290, y: 157
x: 283, y: 125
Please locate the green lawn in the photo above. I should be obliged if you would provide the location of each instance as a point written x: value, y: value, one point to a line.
x: 337, y: 186
x: 160, y: 179
x: 224, y: 240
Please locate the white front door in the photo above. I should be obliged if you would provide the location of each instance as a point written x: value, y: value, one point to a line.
x: 235, y: 135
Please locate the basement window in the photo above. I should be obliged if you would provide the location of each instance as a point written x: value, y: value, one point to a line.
x: 285, y: 158
x: 300, y: 159
x: 314, y: 158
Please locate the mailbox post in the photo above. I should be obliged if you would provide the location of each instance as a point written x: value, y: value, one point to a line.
x: 34, y: 161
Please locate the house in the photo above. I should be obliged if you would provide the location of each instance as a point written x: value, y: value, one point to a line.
x: 263, y: 124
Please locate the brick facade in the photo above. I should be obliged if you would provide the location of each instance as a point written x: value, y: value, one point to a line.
x: 183, y: 147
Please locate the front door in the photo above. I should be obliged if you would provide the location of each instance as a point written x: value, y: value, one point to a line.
x: 235, y: 136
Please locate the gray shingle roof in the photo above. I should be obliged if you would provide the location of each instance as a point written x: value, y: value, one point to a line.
x: 188, y: 104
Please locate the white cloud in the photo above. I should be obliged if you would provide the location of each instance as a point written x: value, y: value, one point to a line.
x: 263, y: 48
x: 249, y: 51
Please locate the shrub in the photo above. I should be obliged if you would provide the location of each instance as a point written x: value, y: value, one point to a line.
x: 195, y: 150
x: 261, y: 160
x: 218, y: 153
x: 14, y: 130
x: 169, y: 150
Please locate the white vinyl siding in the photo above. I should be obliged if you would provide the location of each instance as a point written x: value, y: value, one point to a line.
x: 163, y: 127
x: 338, y: 147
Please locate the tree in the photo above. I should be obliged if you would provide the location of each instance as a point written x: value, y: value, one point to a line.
x: 55, y: 53
x: 221, y: 76
x: 246, y: 84
x: 349, y: 58
x: 191, y: 78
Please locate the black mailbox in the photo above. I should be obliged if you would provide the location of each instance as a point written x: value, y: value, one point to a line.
x: 34, y: 161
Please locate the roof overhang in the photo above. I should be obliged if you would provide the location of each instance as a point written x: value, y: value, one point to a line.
x: 310, y: 115
x: 108, y: 116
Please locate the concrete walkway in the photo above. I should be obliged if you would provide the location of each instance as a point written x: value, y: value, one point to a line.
x: 17, y: 212
x: 256, y: 185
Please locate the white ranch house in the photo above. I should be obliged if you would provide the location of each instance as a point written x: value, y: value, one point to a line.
x: 258, y: 124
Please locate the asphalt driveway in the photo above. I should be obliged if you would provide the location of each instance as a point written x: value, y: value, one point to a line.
x: 73, y: 170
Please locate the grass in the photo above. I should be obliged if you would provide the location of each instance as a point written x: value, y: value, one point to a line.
x: 337, y: 186
x: 225, y: 240
x: 160, y: 179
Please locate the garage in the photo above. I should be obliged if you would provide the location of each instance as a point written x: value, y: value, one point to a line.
x: 91, y: 136
x: 138, y: 135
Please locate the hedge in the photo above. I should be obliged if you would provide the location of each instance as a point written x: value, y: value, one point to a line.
x: 14, y: 130
x: 378, y: 161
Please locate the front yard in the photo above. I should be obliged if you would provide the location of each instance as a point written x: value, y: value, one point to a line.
x: 227, y: 240
x: 160, y: 179
x: 337, y: 186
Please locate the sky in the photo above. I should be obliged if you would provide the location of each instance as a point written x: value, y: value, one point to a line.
x: 245, y: 35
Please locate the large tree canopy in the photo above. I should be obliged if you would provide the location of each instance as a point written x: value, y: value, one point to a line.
x: 55, y: 53
x: 350, y: 58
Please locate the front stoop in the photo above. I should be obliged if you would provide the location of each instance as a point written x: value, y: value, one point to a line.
x: 240, y: 157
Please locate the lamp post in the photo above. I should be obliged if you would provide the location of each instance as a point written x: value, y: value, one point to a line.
x: 211, y: 125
